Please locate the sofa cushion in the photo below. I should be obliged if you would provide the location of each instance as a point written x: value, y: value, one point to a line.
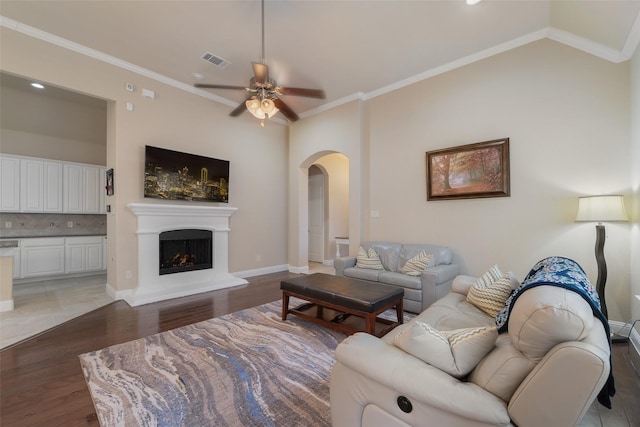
x: 456, y: 352
x: 368, y: 259
x: 454, y: 312
x: 387, y: 251
x: 490, y: 297
x: 363, y: 273
x: 399, y: 279
x: 417, y: 264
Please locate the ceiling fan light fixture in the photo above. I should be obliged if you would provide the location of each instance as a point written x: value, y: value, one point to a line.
x: 261, y: 109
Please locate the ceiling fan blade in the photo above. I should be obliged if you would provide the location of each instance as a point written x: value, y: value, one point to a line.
x: 241, y: 108
x: 285, y: 110
x: 260, y: 71
x: 208, y: 86
x: 297, y: 91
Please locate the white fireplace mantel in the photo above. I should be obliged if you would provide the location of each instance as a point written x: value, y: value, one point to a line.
x: 154, y: 219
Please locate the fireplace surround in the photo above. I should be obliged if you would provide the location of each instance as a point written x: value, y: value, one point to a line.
x: 154, y: 219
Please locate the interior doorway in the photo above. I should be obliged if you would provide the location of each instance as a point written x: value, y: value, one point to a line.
x: 316, y: 214
x: 327, y: 209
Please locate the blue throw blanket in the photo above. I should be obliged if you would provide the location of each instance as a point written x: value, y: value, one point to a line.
x: 564, y: 273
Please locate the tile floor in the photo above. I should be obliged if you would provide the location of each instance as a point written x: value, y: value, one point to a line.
x: 41, y: 305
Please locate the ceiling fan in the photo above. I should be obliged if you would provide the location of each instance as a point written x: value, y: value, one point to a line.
x: 264, y: 100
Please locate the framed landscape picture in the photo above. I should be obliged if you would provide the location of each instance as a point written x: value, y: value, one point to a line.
x: 469, y: 171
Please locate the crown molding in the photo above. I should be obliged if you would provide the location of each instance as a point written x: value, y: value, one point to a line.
x: 112, y: 60
x: 560, y: 36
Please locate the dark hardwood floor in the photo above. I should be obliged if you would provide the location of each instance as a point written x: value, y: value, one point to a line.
x: 41, y: 383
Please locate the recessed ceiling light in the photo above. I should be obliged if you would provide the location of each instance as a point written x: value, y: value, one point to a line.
x: 472, y: 2
x: 198, y: 76
x: 37, y: 85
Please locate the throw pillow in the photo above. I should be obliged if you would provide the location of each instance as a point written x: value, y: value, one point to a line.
x: 455, y: 352
x: 417, y: 264
x: 490, y: 292
x: 369, y: 260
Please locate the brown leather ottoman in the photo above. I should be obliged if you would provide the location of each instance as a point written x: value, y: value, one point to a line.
x: 344, y: 304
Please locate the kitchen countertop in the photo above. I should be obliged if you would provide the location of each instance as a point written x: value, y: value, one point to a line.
x: 49, y: 235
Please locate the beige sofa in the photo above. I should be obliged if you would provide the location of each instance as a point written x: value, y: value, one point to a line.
x: 419, y: 291
x: 545, y: 371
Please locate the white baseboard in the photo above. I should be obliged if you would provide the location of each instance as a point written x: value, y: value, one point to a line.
x: 299, y: 270
x: 261, y: 271
x: 620, y: 328
x: 117, y: 295
x: 6, y: 305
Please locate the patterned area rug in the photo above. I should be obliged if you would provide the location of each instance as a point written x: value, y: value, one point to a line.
x: 244, y: 369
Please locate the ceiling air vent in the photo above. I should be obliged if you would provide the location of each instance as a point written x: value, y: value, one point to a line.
x: 216, y: 60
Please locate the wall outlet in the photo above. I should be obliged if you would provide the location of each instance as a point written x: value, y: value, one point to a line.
x: 8, y: 224
x: 69, y: 224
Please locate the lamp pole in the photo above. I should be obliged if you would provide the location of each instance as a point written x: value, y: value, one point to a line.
x: 602, y: 268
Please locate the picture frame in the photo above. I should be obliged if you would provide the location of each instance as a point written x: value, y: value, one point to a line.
x: 109, y: 182
x: 469, y: 171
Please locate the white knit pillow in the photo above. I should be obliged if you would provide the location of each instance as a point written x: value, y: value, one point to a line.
x: 455, y: 352
x: 369, y: 260
x: 417, y: 264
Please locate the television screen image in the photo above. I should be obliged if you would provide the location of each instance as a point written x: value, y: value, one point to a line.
x: 173, y: 175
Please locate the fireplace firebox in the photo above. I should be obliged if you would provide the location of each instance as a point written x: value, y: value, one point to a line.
x: 185, y: 250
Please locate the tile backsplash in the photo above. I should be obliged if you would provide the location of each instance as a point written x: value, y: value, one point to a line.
x: 50, y: 224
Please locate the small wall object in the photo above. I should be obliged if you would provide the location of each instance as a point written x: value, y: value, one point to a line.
x: 109, y: 186
x: 469, y: 171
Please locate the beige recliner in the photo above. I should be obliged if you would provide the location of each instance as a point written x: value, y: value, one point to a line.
x: 545, y: 371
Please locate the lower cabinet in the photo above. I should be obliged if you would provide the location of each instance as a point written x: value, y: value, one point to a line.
x: 83, y: 254
x: 42, y: 257
x: 52, y: 256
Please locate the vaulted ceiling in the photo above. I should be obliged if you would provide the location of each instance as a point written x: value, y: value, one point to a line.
x: 348, y: 48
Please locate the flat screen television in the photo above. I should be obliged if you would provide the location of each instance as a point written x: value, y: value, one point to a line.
x: 173, y: 175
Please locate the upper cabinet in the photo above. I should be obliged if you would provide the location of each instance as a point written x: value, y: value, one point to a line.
x: 83, y: 189
x: 9, y: 184
x: 40, y: 185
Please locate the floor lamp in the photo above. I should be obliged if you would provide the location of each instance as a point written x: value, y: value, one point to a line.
x: 601, y: 209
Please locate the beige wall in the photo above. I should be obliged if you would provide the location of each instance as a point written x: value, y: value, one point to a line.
x: 38, y: 125
x: 634, y: 209
x: 177, y: 120
x: 567, y: 116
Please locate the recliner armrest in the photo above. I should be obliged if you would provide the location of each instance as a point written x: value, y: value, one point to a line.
x: 340, y: 264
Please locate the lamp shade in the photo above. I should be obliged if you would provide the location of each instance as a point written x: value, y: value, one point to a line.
x: 601, y: 209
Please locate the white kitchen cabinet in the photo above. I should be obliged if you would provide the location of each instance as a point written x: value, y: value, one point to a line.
x: 102, y: 190
x: 52, y: 186
x: 82, y: 189
x: 31, y: 181
x: 104, y: 253
x: 9, y: 184
x: 40, y: 186
x: 83, y: 254
x: 42, y: 256
x: 73, y: 189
